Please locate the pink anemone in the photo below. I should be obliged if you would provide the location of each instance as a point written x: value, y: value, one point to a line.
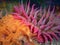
x: 40, y: 21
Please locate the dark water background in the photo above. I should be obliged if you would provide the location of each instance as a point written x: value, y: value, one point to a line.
x: 38, y: 3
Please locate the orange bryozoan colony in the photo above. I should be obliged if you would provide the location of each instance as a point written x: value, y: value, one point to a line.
x: 14, y: 31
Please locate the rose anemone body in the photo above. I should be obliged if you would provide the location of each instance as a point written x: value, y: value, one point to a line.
x: 40, y: 21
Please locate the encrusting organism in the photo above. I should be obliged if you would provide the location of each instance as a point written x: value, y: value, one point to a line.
x: 14, y: 31
x: 40, y: 21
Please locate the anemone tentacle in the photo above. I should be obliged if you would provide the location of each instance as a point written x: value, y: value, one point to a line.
x: 40, y: 21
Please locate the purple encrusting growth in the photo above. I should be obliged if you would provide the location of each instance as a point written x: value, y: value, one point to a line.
x: 40, y: 21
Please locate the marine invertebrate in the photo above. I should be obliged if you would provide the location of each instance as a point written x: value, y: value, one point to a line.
x: 40, y: 21
x: 13, y: 31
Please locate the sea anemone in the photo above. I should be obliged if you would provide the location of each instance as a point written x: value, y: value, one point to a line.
x: 40, y: 21
x: 13, y: 31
